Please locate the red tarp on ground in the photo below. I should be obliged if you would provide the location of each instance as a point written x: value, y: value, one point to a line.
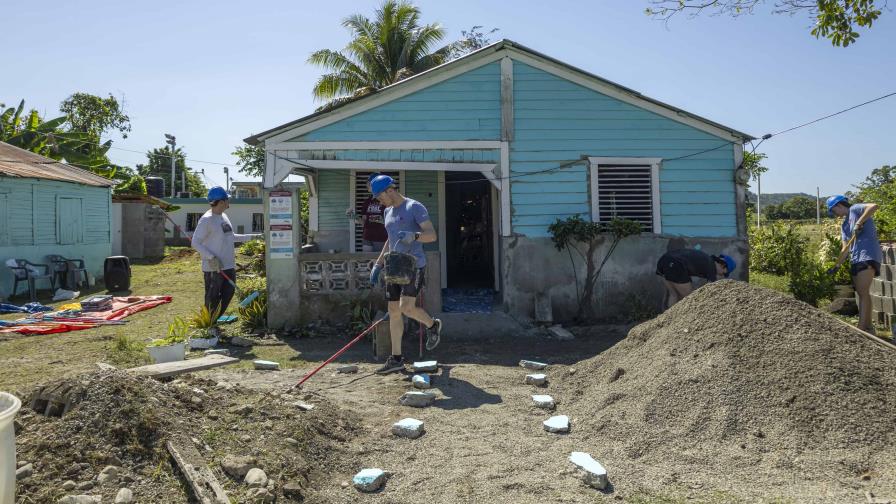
x: 121, y: 308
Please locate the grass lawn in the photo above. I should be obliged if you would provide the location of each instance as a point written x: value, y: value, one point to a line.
x: 26, y: 361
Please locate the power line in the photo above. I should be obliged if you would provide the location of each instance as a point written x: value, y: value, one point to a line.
x: 834, y: 114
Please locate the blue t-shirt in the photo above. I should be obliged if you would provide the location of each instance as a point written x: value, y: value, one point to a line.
x: 866, y: 246
x: 406, y: 217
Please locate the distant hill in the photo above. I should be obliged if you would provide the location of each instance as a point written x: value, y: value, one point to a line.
x: 775, y: 198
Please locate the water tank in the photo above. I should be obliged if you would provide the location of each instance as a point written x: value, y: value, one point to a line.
x: 155, y: 186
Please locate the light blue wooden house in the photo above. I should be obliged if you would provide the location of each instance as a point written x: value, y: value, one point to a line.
x: 51, y: 208
x: 498, y: 145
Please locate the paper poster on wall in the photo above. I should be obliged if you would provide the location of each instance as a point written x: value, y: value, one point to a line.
x: 280, y: 219
x: 281, y: 202
x: 281, y: 244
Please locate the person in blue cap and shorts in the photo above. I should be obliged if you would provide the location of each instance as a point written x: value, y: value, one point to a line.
x: 862, y: 246
x: 678, y: 266
x: 214, y: 239
x: 408, y: 227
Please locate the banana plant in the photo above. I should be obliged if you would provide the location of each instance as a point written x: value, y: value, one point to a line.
x: 46, y: 138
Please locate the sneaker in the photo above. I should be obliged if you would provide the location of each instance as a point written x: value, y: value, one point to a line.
x: 434, y: 334
x: 391, y: 366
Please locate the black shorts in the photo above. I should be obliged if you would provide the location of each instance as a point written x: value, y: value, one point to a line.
x: 394, y: 292
x: 862, y: 266
x: 673, y: 270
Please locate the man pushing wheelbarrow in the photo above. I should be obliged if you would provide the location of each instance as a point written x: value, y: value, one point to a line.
x: 408, y: 227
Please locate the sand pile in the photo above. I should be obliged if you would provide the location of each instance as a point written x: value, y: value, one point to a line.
x: 741, y: 376
x: 125, y: 421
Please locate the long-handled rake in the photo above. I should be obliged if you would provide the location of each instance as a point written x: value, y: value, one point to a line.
x: 344, y: 349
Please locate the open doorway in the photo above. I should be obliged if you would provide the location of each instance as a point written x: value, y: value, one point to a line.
x: 469, y: 243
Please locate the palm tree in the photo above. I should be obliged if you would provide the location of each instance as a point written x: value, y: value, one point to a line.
x: 383, y: 51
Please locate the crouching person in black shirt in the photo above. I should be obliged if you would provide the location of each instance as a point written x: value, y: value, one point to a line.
x: 678, y: 266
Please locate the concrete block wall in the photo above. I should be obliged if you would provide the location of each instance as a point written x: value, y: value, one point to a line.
x: 883, y: 289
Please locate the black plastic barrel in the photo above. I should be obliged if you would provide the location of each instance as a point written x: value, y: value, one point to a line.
x: 117, y: 273
x: 155, y: 186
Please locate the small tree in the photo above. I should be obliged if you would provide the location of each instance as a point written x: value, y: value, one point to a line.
x: 567, y: 232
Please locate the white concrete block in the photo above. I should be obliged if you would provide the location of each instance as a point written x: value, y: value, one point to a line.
x: 425, y: 367
x: 593, y: 473
x: 266, y: 365
x: 533, y: 365
x: 421, y: 381
x: 536, y: 379
x: 369, y: 480
x: 560, y: 333
x: 557, y: 424
x: 410, y: 428
x: 543, y: 401
x: 417, y: 399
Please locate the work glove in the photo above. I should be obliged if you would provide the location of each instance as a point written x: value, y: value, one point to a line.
x: 375, y: 275
x: 406, y: 237
x: 833, y: 271
x: 215, y: 264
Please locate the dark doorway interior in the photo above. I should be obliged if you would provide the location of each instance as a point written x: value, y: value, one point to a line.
x: 468, y: 233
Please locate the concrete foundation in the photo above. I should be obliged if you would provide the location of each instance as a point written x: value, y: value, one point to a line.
x: 533, y: 267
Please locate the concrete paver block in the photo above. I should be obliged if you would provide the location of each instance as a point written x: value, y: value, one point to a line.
x: 593, y: 473
x: 533, y: 365
x: 410, y: 428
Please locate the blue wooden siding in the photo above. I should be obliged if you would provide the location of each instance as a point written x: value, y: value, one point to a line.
x: 466, y: 107
x: 40, y: 219
x: 557, y: 121
x: 423, y: 186
x: 427, y: 155
x: 333, y: 200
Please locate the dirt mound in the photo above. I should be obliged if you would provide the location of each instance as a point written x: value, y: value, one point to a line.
x: 741, y: 376
x: 125, y: 421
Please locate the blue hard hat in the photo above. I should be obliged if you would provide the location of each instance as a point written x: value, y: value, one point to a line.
x: 373, y: 176
x: 729, y: 264
x: 834, y: 201
x: 380, y: 183
x: 217, y: 193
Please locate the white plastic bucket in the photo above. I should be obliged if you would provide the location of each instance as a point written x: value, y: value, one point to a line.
x: 9, y: 406
x: 168, y: 353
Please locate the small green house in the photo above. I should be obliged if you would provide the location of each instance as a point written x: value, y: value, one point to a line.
x: 49, y: 207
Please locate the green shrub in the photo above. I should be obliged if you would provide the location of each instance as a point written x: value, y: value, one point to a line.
x: 809, y: 281
x: 829, y: 251
x: 774, y: 246
x: 255, y: 249
x: 254, y: 316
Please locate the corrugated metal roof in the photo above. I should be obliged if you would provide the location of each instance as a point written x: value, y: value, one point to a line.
x: 16, y: 162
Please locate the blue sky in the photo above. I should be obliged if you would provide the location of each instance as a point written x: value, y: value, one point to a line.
x: 213, y: 73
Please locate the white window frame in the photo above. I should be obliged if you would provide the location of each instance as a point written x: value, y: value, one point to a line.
x: 654, y: 163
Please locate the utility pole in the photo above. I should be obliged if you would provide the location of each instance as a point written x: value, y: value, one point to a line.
x: 817, y: 205
x: 227, y: 174
x: 170, y: 140
x: 758, y: 192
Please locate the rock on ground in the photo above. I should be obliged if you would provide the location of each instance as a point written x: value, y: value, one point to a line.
x: 80, y: 499
x: 533, y: 365
x: 560, y: 333
x: 241, y: 342
x: 260, y: 495
x: 421, y: 381
x: 217, y: 351
x: 593, y: 473
x: 369, y: 480
x: 557, y: 424
x: 108, y: 475
x: 410, y: 428
x: 237, y: 467
x: 536, y: 379
x: 417, y: 399
x: 69, y: 485
x: 294, y: 490
x: 124, y: 496
x: 349, y: 369
x: 256, y: 478
x: 24, y: 472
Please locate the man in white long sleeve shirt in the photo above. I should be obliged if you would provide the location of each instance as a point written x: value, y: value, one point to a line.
x: 214, y: 239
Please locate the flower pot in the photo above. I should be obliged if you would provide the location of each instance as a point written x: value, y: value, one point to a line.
x: 9, y: 405
x: 167, y: 353
x: 202, y: 343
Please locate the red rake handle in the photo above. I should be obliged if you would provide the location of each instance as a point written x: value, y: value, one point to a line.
x: 342, y: 350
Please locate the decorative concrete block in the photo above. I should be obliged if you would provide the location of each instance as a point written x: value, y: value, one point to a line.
x: 410, y: 428
x: 593, y: 473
